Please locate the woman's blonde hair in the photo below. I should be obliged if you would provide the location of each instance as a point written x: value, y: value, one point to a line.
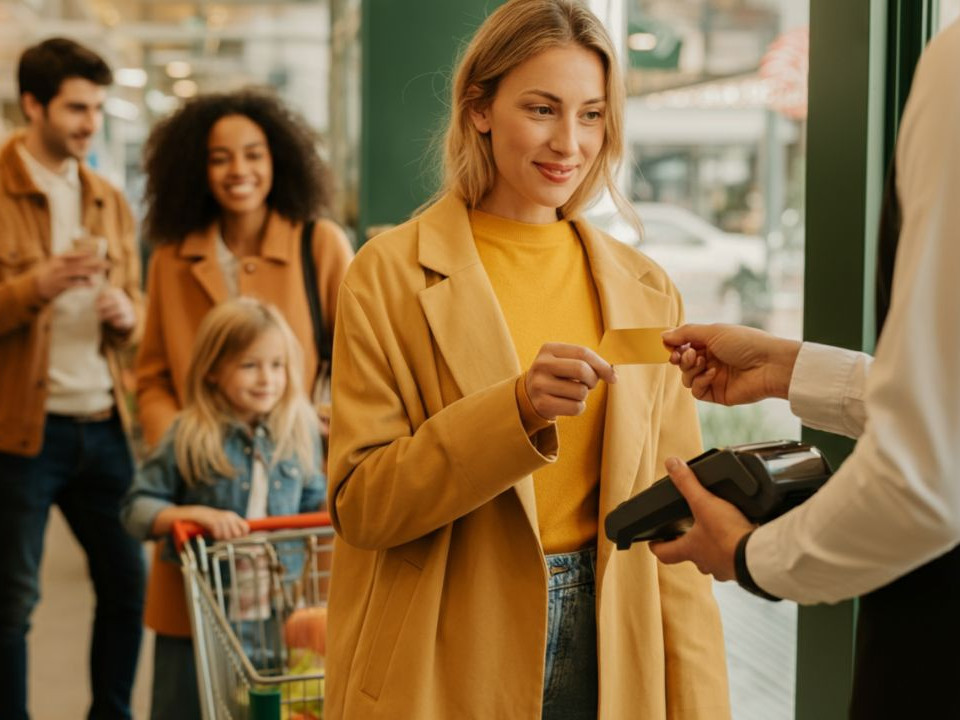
x: 226, y: 332
x: 514, y: 33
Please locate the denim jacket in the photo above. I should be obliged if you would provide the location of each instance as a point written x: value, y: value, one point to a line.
x: 158, y: 483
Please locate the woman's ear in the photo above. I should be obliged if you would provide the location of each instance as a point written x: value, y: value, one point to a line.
x: 479, y: 109
x: 480, y: 119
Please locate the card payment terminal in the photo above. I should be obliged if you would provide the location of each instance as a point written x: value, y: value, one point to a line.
x: 764, y: 480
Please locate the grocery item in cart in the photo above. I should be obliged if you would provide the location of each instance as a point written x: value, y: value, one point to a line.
x: 252, y: 599
x: 306, y: 629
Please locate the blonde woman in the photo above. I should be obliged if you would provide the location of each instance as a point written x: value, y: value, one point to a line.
x: 478, y: 438
x: 245, y: 445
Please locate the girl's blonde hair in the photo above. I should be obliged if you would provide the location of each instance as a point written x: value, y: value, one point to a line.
x: 226, y: 332
x: 514, y: 33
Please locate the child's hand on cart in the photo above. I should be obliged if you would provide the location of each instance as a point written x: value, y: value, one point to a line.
x: 220, y: 524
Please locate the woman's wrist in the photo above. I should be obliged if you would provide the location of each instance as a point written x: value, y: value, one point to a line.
x: 531, y: 419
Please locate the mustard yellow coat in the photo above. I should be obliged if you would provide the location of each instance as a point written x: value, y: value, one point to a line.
x: 438, y: 602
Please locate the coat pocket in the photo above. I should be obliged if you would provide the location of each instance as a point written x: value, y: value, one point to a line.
x: 389, y: 619
x: 15, y: 260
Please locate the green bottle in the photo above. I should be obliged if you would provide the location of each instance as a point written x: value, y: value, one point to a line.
x: 265, y: 703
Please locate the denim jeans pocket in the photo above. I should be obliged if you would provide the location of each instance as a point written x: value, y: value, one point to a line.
x: 570, y: 672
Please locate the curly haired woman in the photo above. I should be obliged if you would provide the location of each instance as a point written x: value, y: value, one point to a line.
x: 232, y: 179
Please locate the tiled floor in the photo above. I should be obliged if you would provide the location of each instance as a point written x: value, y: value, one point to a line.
x: 761, y: 641
x: 59, y: 685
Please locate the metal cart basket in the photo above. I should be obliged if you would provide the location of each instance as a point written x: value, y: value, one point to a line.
x: 241, y: 595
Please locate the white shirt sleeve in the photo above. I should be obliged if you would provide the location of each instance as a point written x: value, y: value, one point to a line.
x: 895, y: 503
x: 827, y: 388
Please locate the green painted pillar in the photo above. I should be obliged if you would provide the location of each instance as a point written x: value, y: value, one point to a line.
x: 409, y: 51
x: 911, y: 25
x: 845, y: 168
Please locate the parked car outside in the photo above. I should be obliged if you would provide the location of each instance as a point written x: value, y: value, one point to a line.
x: 721, y: 275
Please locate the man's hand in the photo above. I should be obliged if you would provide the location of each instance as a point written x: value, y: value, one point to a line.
x: 717, y: 528
x: 732, y: 364
x: 562, y: 376
x: 68, y: 270
x: 115, y: 308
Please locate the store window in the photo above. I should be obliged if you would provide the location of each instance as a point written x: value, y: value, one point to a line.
x: 947, y: 11
x: 716, y: 118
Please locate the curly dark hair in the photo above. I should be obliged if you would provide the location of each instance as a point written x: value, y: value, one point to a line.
x: 175, y: 161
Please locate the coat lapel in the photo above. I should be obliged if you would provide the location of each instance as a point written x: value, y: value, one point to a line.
x: 626, y: 301
x: 201, y: 247
x: 464, y: 314
x: 281, y: 238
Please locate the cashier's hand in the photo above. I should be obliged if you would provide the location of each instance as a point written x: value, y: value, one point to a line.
x: 717, y: 528
x: 732, y: 364
x: 562, y: 376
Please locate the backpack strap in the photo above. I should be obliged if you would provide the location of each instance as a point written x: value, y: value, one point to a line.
x: 320, y: 336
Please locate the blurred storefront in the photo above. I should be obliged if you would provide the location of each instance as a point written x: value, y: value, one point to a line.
x: 164, y: 52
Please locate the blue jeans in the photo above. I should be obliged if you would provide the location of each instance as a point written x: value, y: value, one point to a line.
x: 85, y: 469
x: 570, y: 677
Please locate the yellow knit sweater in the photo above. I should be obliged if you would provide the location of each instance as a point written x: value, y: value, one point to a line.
x: 541, y: 277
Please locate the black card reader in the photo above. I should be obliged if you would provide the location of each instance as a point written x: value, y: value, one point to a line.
x: 764, y: 480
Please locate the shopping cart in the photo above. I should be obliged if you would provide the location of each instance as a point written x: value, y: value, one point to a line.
x: 241, y: 595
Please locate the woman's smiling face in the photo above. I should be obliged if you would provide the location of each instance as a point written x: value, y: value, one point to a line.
x: 546, y: 126
x: 239, y: 165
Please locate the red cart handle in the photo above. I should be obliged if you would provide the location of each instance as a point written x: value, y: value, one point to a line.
x: 184, y: 530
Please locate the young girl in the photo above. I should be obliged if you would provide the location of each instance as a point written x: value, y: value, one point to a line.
x: 244, y: 446
x: 471, y: 580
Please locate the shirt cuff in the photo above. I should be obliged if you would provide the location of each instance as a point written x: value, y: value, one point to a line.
x: 742, y: 571
x: 819, y: 385
x: 531, y: 419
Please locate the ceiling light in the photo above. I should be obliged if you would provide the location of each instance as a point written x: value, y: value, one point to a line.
x: 120, y: 108
x: 160, y: 103
x: 185, y: 88
x: 179, y: 69
x: 130, y: 77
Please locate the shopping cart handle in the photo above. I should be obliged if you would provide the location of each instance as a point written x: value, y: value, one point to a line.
x: 184, y: 530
